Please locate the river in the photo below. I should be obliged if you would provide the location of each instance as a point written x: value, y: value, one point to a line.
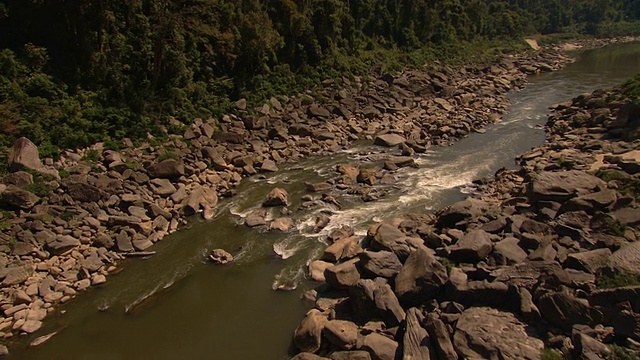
x: 176, y: 305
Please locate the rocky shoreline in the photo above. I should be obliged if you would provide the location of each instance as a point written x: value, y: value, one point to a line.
x: 66, y: 224
x: 543, y: 262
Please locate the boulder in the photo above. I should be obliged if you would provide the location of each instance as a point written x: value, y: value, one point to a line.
x: 440, y: 338
x: 586, y: 347
x: 389, y: 140
x: 380, y: 347
x: 462, y: 211
x: 589, y: 261
x: 16, y: 197
x: 220, y: 256
x: 166, y: 169
x: 283, y: 224
x: 421, y: 278
x: 162, y: 187
x: 472, y: 247
x: 80, y: 191
x: 276, y: 197
x: 18, y: 178
x: 508, y: 252
x: 24, y: 154
x: 350, y: 355
x: 317, y: 268
x: 390, y: 238
x: 627, y: 258
x: 486, y: 333
x: 564, y: 310
x: 342, y: 334
x: 563, y: 185
x: 16, y: 274
x: 374, y: 299
x: 342, y: 275
x: 61, y: 244
x: 308, y: 335
x: 380, y: 263
x: 416, y: 339
x: 345, y: 248
x: 199, y: 198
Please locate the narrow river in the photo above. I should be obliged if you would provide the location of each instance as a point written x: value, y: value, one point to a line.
x: 176, y: 305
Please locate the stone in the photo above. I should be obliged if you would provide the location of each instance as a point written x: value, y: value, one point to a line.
x: 62, y: 243
x: 16, y: 197
x: 389, y: 140
x: 564, y: 310
x: 342, y: 275
x: 31, y: 326
x: 166, y: 169
x: 199, y: 198
x: 422, y: 276
x: 462, y: 211
x: 440, y: 338
x: 162, y: 187
x: 342, y: 334
x: 374, y: 299
x: 563, y: 185
x: 416, y: 339
x: 276, y: 197
x: 589, y: 348
x: 308, y: 356
x: 627, y: 258
x: 486, y: 333
x: 472, y: 247
x: 390, y: 238
x: 318, y: 187
x: 318, y: 111
x: 24, y: 154
x: 380, y: 263
x: 18, y: 178
x: 345, y: 248
x: 367, y: 176
x: 350, y: 355
x: 268, y: 166
x: 220, y: 256
x: 588, y: 261
x: 380, y: 347
x: 123, y: 242
x: 307, y: 337
x: 283, y: 224
x: 317, y: 268
x: 83, y: 192
x: 16, y: 274
x: 508, y: 252
x: 92, y: 263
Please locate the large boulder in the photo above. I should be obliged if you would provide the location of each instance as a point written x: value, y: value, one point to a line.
x: 380, y: 347
x: 486, y: 333
x: 564, y: 310
x: 83, y: 192
x: 440, y: 337
x: 345, y: 248
x: 341, y: 333
x: 380, y: 263
x: 472, y: 247
x: 24, y: 154
x: 462, y: 211
x: 563, y: 185
x: 62, y: 243
x: 627, y: 258
x: 166, y: 169
x: 389, y: 140
x: 374, y: 299
x: 200, y: 198
x: 416, y: 339
x: 421, y: 278
x: 276, y: 197
x: 16, y: 197
x: 308, y: 335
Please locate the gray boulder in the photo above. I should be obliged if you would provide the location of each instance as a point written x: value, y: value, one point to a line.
x: 308, y: 335
x: 389, y: 140
x: 166, y: 169
x: 472, y: 247
x: 276, y: 197
x: 16, y: 197
x: 24, y: 154
x: 421, y: 277
x: 380, y: 263
x: 563, y: 185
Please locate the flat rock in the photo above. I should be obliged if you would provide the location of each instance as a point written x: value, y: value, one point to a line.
x: 62, y: 243
x: 166, y: 169
x: 389, y: 140
x: 308, y: 335
x: 380, y: 347
x: 16, y: 275
x: 486, y: 333
x: 283, y: 224
x: 380, y: 263
x: 83, y: 192
x: 589, y: 261
x: 563, y: 185
x: 421, y: 278
x: 162, y: 187
x: 627, y: 258
x: 14, y: 196
x: 343, y: 334
x: 472, y: 247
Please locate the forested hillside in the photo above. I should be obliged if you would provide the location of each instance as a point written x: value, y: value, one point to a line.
x: 75, y: 72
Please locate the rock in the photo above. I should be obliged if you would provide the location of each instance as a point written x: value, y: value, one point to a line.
x: 308, y: 335
x: 308, y: 356
x: 416, y: 339
x: 380, y: 347
x: 241, y: 104
x: 83, y: 192
x: 563, y: 185
x: 350, y: 355
x: 31, y: 326
x: 123, y: 242
x: 564, y: 310
x: 421, y: 278
x: 342, y: 275
x: 390, y: 238
x: 389, y: 140
x: 486, y: 333
x: 587, y: 347
x: 628, y: 216
x: 4, y: 351
x: 166, y: 169
x: 255, y: 218
x: 608, y: 297
x: 162, y: 187
x: 627, y: 258
x: 198, y: 199
x: 62, y: 243
x: 627, y: 323
x: 317, y: 268
x: 24, y: 154
x: 345, y: 248
x: 342, y: 334
x: 589, y: 261
x: 374, y: 299
x: 318, y: 111
x: 268, y: 166
x: 380, y: 263
x: 318, y: 187
x: 16, y: 197
x: 508, y: 252
x: 461, y: 211
x: 276, y: 197
x: 440, y: 338
x: 283, y: 224
x: 18, y: 178
x: 220, y: 256
x: 92, y: 263
x: 472, y: 247
x: 16, y: 274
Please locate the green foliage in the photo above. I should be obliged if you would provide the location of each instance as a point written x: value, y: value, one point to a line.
x: 63, y: 173
x: 88, y: 71
x: 620, y: 353
x: 67, y: 215
x: 614, y: 280
x: 168, y: 154
x: 91, y: 155
x: 447, y: 264
x: 4, y: 225
x: 549, y: 354
x: 39, y: 189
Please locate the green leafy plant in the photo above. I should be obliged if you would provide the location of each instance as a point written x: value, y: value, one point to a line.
x: 91, y: 155
x: 614, y: 280
x: 39, y: 189
x: 549, y: 354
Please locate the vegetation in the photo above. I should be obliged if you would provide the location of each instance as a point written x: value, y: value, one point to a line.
x: 606, y: 280
x: 549, y: 354
x: 76, y: 72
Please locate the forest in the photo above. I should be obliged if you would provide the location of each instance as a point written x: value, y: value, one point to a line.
x: 73, y: 72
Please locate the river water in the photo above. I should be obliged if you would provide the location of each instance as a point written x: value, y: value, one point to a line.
x: 176, y: 305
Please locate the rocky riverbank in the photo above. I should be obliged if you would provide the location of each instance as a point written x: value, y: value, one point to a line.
x: 68, y: 223
x: 540, y: 262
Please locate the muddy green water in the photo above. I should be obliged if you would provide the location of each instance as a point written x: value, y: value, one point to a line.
x: 176, y: 305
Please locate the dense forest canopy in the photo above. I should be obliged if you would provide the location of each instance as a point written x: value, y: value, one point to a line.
x: 73, y: 72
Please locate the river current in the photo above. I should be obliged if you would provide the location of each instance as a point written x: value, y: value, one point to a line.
x: 177, y: 305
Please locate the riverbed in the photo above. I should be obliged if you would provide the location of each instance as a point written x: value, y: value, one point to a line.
x: 176, y: 304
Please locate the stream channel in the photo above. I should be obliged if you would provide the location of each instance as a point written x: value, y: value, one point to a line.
x: 177, y: 305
